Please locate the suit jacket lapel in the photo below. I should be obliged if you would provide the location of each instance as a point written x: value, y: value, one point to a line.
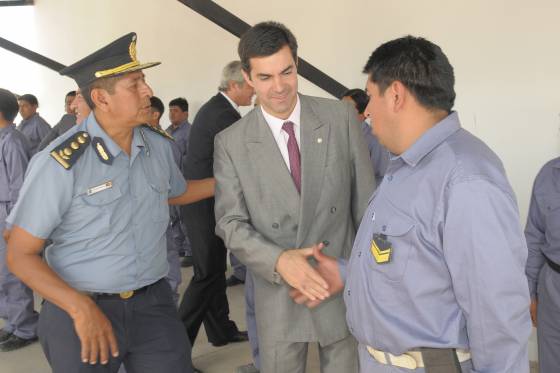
x: 314, y: 137
x: 271, y: 166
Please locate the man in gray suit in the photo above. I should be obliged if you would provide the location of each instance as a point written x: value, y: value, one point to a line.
x: 290, y: 174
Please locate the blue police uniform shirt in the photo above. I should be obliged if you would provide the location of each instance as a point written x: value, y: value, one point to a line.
x: 456, y: 274
x: 378, y: 154
x: 181, y: 135
x: 543, y: 223
x: 14, y: 157
x: 35, y: 129
x: 104, y: 239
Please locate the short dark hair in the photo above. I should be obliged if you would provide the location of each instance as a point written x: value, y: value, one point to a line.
x: 420, y: 65
x: 359, y: 97
x: 71, y: 94
x: 181, y: 102
x: 157, y: 105
x: 265, y: 39
x: 8, y: 105
x: 29, y: 98
x: 107, y: 84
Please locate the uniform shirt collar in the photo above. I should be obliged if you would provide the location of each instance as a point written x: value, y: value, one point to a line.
x: 431, y: 139
x: 232, y: 103
x: 276, y: 124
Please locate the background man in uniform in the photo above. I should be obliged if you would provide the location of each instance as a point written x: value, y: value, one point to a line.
x: 33, y: 126
x: 377, y: 153
x: 16, y: 299
x: 543, y: 269
x: 64, y: 124
x: 205, y: 299
x: 103, y: 188
x: 436, y: 272
x: 180, y: 130
x: 292, y: 172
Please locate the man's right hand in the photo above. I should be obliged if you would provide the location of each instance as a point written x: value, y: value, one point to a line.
x: 294, y: 268
x: 95, y: 333
x: 533, y: 311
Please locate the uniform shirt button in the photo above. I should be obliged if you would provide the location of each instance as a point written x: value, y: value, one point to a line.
x: 348, y: 292
x: 390, y: 177
x: 333, y: 210
x: 384, y: 228
x: 275, y: 225
x: 359, y: 254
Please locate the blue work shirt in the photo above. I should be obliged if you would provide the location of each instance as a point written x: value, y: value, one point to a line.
x: 181, y: 135
x: 103, y: 239
x: 35, y: 129
x: 378, y: 154
x: 543, y: 223
x: 456, y: 274
x: 14, y: 157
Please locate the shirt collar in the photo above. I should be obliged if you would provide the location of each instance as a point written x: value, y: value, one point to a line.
x: 95, y: 130
x: 276, y: 124
x: 431, y: 139
x: 235, y: 106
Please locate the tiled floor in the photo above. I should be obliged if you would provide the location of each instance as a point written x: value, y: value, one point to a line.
x: 206, y: 357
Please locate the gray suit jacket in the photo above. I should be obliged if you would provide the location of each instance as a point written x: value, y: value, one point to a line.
x: 259, y: 212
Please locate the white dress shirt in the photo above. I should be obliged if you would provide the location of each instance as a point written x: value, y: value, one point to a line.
x: 282, y: 136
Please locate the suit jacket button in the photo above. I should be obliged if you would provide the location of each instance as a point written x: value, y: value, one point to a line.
x: 275, y: 225
x: 295, y: 228
x: 333, y: 210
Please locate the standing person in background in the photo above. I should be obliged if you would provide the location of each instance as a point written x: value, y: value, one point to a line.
x: 205, y: 299
x: 543, y: 264
x: 64, y: 124
x: 16, y: 299
x: 33, y: 126
x: 180, y: 130
x: 377, y: 153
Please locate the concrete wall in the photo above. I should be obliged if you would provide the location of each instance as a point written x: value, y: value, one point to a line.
x: 505, y: 55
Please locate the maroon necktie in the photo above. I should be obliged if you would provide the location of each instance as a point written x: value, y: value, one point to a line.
x: 293, y: 153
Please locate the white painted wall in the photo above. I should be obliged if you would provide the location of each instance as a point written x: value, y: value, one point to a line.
x: 505, y: 54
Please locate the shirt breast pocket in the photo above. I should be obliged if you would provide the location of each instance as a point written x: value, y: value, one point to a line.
x: 399, y: 236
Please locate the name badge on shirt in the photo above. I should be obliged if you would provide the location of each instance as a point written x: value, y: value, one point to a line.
x: 381, y: 248
x: 100, y: 188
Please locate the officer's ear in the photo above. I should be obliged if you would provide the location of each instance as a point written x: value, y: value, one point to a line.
x: 397, y: 94
x: 100, y: 96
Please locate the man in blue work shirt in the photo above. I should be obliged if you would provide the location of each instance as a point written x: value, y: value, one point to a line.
x: 16, y: 299
x: 33, y: 126
x: 100, y: 192
x: 543, y: 269
x: 436, y: 272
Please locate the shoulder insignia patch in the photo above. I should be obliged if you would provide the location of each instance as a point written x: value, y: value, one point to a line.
x: 68, y: 152
x: 159, y: 131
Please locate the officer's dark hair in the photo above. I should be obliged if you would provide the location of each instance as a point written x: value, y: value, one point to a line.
x: 265, y: 39
x: 157, y: 105
x: 8, y: 105
x: 359, y: 97
x: 71, y: 94
x: 107, y: 84
x: 29, y: 98
x: 181, y: 102
x: 420, y: 65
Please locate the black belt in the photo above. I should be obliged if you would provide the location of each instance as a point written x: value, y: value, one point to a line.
x: 123, y: 295
x: 555, y: 267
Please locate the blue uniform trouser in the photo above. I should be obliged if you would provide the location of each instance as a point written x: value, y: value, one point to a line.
x: 239, y: 269
x: 369, y: 365
x: 174, y: 274
x: 548, y: 317
x: 251, y: 318
x: 16, y: 299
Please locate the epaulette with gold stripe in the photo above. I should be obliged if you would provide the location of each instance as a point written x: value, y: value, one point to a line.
x: 68, y: 152
x: 159, y: 131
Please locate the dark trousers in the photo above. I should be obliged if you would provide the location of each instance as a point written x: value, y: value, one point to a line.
x: 148, y: 332
x: 205, y: 299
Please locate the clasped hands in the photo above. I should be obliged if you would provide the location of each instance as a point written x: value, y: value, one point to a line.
x: 311, y: 285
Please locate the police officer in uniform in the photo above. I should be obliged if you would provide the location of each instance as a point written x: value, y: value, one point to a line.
x: 543, y: 269
x: 16, y: 299
x: 103, y: 190
x: 435, y: 281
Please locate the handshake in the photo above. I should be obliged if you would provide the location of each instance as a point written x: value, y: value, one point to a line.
x: 311, y: 285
